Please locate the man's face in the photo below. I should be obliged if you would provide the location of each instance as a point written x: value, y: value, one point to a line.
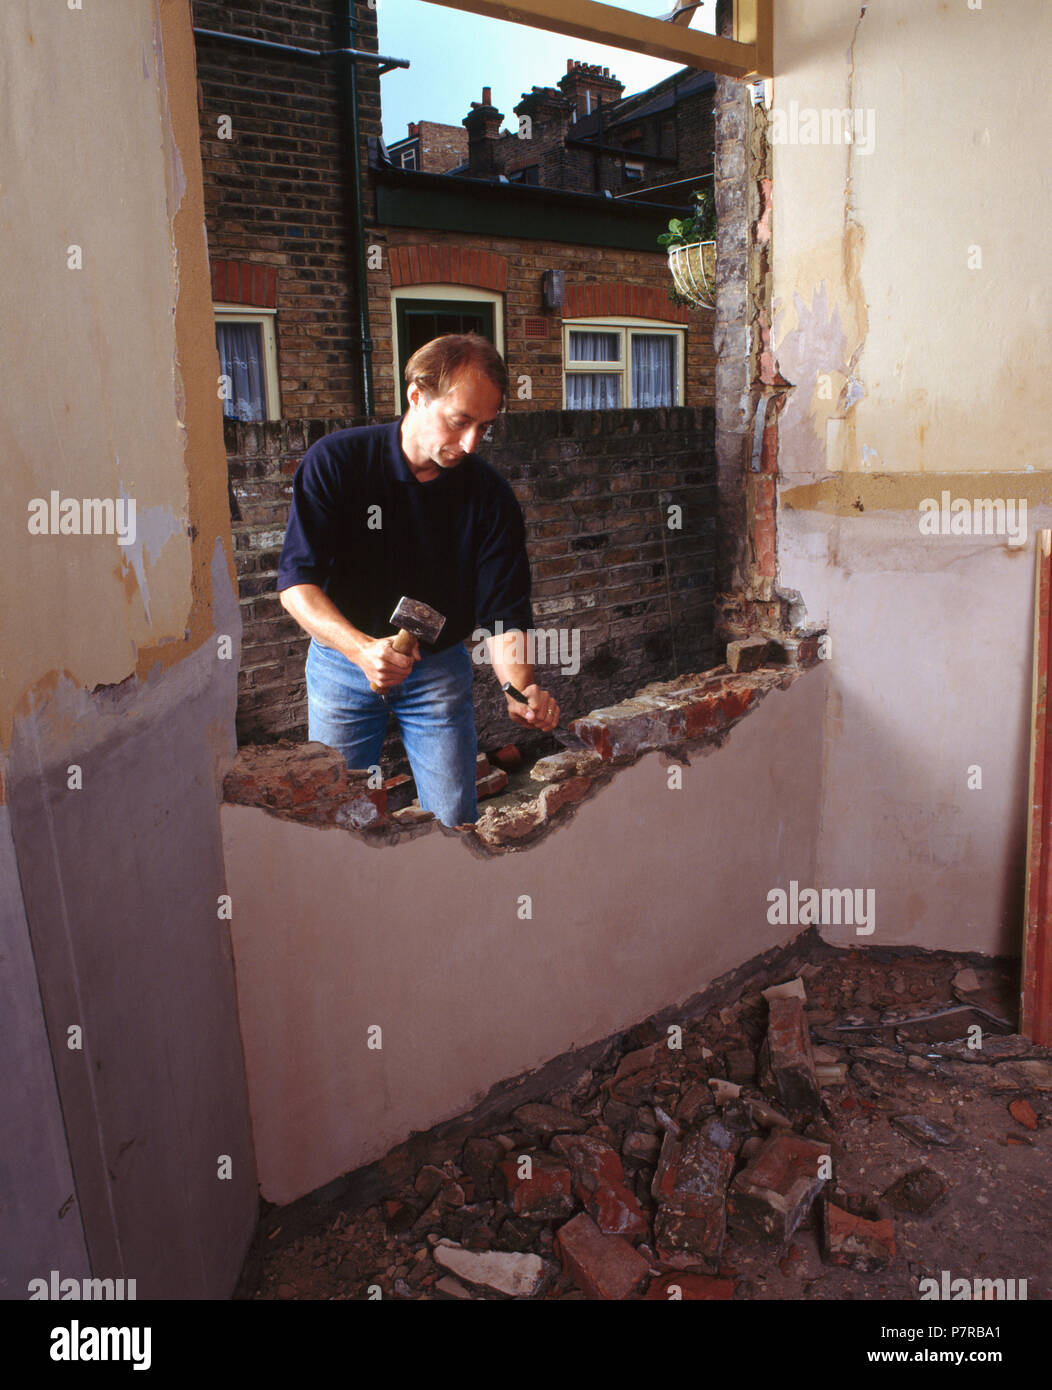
x: 441, y: 431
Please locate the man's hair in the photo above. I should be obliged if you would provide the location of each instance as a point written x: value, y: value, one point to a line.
x: 436, y: 365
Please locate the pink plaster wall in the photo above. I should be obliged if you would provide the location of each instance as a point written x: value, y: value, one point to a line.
x: 638, y: 902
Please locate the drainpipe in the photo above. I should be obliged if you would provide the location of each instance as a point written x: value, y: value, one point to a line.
x: 364, y: 329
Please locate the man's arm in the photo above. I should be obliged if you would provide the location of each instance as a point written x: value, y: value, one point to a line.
x: 543, y: 712
x: 318, y: 615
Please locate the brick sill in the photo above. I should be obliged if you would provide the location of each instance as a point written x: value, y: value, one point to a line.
x: 308, y: 782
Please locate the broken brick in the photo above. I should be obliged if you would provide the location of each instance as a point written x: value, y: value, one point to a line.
x: 546, y: 1195
x: 1024, y: 1112
x: 509, y: 757
x: 691, y: 1187
x: 559, y: 767
x: 602, y: 1266
x: 599, y: 1184
x: 917, y: 1192
x: 560, y: 794
x: 786, y: 1053
x: 772, y: 1195
x: 492, y: 784
x: 748, y: 654
x: 855, y: 1243
x: 547, y: 1120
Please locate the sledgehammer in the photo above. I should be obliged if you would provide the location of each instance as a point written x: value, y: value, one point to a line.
x: 414, y: 620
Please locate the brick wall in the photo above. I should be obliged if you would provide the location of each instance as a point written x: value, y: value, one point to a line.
x: 594, y: 488
x: 520, y: 266
x: 276, y: 191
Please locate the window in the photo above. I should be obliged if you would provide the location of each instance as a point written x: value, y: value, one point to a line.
x: 611, y: 364
x: 248, y: 360
x: 423, y: 312
x: 529, y: 175
x: 633, y: 170
x: 409, y: 158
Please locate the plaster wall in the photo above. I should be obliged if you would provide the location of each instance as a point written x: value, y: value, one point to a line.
x: 642, y: 899
x: 116, y: 711
x: 907, y: 302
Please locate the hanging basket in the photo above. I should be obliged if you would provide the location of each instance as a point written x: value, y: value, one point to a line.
x: 694, y: 272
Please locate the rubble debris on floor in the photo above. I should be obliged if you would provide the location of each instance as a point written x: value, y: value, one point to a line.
x: 870, y: 1122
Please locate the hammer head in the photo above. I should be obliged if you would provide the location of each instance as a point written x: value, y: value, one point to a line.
x: 418, y: 619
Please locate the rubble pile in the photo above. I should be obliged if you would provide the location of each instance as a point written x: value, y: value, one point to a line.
x: 692, y: 1159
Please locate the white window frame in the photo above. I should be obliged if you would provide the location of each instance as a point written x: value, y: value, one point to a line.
x: 626, y: 327
x: 241, y: 313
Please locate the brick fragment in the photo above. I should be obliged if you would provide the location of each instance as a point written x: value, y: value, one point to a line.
x: 572, y: 762
x: 599, y: 1184
x: 852, y: 1242
x: 772, y: 1195
x: 1024, y: 1112
x: 787, y: 1053
x: 412, y: 816
x: 492, y: 784
x: 690, y: 1185
x: 564, y: 794
x: 749, y: 654
x: 546, y: 1195
x: 508, y: 757
x: 602, y: 1266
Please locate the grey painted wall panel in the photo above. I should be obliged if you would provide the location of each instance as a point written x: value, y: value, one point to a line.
x: 121, y: 883
x: 36, y: 1181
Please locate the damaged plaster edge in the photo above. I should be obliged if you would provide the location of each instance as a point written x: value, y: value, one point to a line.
x: 687, y: 721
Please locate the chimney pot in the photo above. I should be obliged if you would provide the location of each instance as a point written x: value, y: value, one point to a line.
x: 487, y: 96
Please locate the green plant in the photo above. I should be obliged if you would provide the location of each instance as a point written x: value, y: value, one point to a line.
x: 686, y: 231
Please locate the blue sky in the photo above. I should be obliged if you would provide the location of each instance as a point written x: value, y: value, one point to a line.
x: 454, y: 55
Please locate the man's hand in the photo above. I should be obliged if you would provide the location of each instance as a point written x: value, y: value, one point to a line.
x: 542, y: 713
x: 383, y: 666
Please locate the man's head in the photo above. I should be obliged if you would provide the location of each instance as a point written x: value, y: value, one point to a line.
x: 456, y: 386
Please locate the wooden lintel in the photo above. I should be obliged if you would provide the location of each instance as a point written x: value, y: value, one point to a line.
x: 618, y: 28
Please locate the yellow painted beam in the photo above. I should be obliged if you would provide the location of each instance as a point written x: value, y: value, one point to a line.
x: 618, y: 28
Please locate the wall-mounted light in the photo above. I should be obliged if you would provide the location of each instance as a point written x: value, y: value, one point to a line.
x: 554, y: 288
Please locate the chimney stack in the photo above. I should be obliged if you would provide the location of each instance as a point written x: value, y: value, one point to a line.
x: 483, y: 124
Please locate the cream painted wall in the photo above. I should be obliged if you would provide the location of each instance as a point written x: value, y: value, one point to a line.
x: 935, y: 375
x: 871, y: 250
x: 88, y: 356
x: 642, y: 900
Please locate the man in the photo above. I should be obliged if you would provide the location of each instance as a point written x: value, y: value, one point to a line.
x: 408, y: 509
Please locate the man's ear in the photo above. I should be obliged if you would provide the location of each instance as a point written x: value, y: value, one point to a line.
x: 416, y: 395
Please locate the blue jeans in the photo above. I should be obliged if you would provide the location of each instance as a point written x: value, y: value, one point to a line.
x: 436, y: 718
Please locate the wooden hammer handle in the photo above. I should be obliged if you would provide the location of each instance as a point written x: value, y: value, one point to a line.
x: 403, y: 644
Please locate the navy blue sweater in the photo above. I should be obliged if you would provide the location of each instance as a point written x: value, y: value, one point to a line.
x: 457, y: 543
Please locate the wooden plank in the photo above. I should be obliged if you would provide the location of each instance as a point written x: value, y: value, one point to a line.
x: 618, y: 28
x: 1036, y: 1002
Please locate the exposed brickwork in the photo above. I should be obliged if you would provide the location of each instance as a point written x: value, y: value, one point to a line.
x: 617, y: 283
x: 594, y: 488
x: 242, y: 282
x: 307, y: 782
x: 447, y: 265
x: 276, y: 191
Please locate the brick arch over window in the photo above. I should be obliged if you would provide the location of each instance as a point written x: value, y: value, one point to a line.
x: 448, y: 265
x: 618, y: 299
